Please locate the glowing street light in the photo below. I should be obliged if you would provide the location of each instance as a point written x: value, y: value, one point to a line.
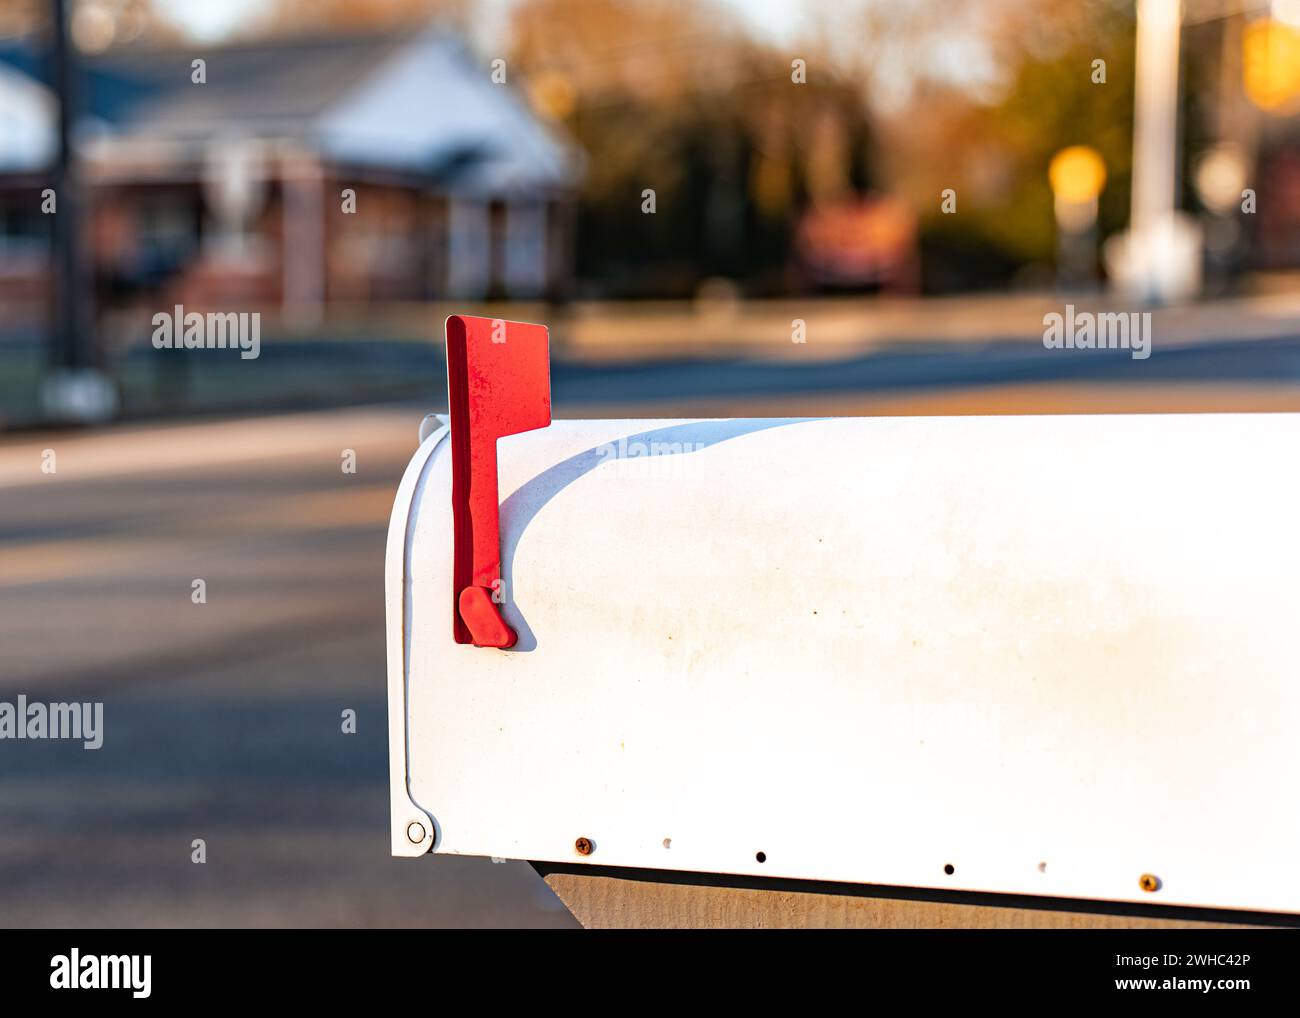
x: 1270, y: 59
x: 1077, y: 175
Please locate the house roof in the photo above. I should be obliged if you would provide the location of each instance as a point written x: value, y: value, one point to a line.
x: 417, y: 104
x: 262, y: 88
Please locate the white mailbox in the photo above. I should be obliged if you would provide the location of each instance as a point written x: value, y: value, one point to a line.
x: 1032, y: 655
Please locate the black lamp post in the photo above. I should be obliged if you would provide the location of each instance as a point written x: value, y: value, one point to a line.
x: 74, y: 390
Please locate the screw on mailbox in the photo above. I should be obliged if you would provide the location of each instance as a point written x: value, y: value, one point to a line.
x: 584, y: 846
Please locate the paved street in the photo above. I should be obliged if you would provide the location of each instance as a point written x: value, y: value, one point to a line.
x: 222, y: 719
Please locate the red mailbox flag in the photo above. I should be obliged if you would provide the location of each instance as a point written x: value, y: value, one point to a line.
x: 498, y: 384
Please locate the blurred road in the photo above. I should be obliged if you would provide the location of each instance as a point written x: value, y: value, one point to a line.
x: 704, y: 358
x: 222, y: 719
x: 932, y: 377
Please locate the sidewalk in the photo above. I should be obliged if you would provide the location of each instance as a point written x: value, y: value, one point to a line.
x: 837, y: 328
x: 710, y: 356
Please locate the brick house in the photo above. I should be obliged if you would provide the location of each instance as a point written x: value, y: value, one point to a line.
x: 239, y: 189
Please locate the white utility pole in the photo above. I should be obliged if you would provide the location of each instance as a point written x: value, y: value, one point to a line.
x: 1155, y: 113
x: 1158, y: 260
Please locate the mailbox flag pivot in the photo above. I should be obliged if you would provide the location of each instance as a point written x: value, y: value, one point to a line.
x: 498, y: 384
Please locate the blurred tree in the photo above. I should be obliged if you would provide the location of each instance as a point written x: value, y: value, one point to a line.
x: 990, y: 136
x: 678, y: 98
x: 992, y: 144
x: 17, y: 17
x: 298, y: 16
x: 96, y: 24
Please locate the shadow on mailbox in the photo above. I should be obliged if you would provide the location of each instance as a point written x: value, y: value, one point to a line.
x: 518, y: 510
